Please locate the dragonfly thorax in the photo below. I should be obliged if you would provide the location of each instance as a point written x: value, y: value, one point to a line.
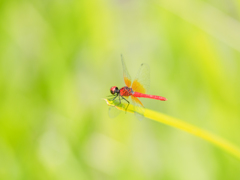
x: 126, y: 91
x: 114, y: 90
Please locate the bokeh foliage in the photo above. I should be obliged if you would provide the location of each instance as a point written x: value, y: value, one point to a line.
x: 59, y: 58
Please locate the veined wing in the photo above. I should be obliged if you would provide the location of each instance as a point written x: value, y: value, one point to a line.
x: 119, y: 102
x: 138, y: 107
x: 113, y: 111
x: 142, y: 81
x: 126, y: 76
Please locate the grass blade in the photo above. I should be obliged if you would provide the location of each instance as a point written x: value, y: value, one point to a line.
x: 177, y: 123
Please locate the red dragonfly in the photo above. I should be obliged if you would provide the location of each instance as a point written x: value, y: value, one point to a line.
x: 137, y: 89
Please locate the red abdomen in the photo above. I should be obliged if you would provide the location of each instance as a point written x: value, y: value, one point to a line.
x: 137, y: 94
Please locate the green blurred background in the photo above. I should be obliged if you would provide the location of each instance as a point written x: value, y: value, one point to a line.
x: 59, y: 58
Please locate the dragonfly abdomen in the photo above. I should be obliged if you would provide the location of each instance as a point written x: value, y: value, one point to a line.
x: 137, y: 94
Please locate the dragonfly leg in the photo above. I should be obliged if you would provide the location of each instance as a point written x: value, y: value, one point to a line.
x: 119, y: 100
x: 114, y: 97
x: 127, y: 105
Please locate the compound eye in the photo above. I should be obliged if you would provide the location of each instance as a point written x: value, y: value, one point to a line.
x: 113, y: 90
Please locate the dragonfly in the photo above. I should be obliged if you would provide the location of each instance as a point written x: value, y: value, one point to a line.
x: 136, y: 89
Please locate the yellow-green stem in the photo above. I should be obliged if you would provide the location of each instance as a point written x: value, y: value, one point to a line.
x: 174, y: 122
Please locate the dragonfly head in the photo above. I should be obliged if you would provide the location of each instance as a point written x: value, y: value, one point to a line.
x: 114, y: 90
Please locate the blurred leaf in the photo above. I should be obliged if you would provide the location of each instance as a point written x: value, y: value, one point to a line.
x: 168, y: 120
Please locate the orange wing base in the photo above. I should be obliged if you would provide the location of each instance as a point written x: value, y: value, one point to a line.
x: 136, y: 86
x: 136, y: 100
x: 127, y: 81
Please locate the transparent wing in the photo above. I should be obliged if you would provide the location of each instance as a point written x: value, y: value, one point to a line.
x: 126, y: 76
x: 142, y: 81
x: 139, y: 109
x: 113, y: 111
